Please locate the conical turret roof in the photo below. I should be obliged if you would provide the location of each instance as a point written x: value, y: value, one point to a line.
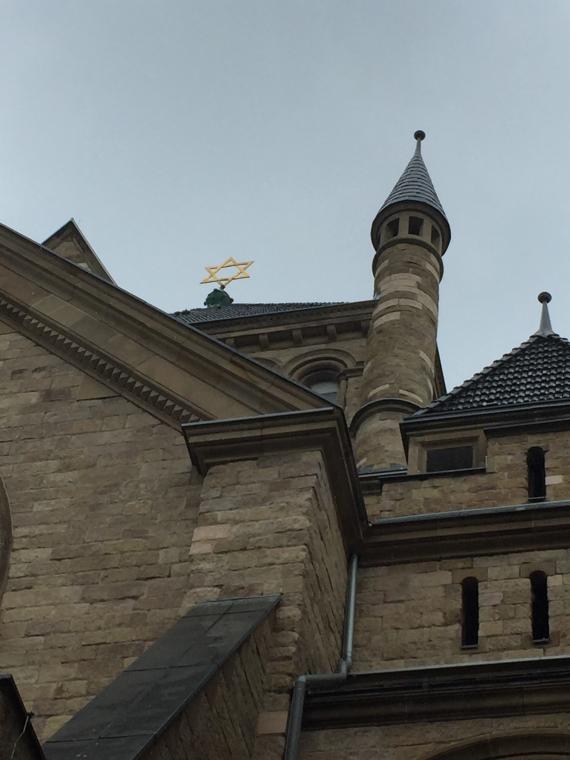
x: 536, y: 372
x: 415, y: 184
x: 414, y: 188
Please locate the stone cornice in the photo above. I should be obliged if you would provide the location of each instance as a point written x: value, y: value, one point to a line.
x: 467, y: 533
x: 448, y: 692
x: 497, y: 421
x: 303, y: 327
x: 184, y: 362
x: 337, y: 312
x: 220, y: 441
x: 398, y: 405
x: 158, y: 401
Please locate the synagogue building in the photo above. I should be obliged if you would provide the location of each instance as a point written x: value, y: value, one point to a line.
x: 269, y: 531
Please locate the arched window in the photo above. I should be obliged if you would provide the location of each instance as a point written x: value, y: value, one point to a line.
x: 324, y: 382
x: 536, y: 474
x: 539, y: 607
x: 534, y: 746
x: 470, y: 612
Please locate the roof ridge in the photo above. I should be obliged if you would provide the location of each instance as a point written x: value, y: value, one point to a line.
x: 314, y: 304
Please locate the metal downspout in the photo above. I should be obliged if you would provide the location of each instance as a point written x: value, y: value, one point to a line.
x: 323, y: 680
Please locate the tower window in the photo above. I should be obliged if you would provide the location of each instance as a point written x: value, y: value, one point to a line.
x: 539, y: 607
x: 449, y: 458
x: 415, y: 224
x: 393, y: 228
x: 470, y: 612
x: 435, y: 236
x: 536, y: 474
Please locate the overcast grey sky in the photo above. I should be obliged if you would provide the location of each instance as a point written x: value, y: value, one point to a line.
x: 179, y: 132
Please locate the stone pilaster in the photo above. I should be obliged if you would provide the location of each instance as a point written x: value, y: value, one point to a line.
x: 278, y: 521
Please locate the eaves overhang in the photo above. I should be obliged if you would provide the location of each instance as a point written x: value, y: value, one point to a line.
x: 294, y: 317
x: 443, y: 693
x: 182, y: 363
x: 215, y: 442
x: 474, y: 532
x: 551, y: 414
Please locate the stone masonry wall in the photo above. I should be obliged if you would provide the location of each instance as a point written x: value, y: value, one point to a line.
x: 265, y: 526
x: 401, y: 345
x: 420, y: 741
x: 504, y: 483
x: 100, y: 499
x: 410, y: 615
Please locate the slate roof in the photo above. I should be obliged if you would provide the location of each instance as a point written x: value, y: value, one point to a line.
x: 415, y: 185
x: 146, y: 697
x: 536, y: 372
x: 17, y: 736
x: 240, y: 310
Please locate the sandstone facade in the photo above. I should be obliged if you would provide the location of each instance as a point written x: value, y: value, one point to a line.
x: 148, y: 466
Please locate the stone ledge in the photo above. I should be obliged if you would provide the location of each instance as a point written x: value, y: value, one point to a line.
x: 467, y: 533
x: 448, y: 692
x: 216, y: 442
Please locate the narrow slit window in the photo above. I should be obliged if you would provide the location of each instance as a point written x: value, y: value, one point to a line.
x: 539, y: 607
x: 435, y: 237
x: 415, y: 224
x: 536, y: 473
x: 470, y: 612
x: 393, y: 228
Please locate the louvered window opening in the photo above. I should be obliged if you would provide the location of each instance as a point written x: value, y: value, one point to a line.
x: 450, y: 458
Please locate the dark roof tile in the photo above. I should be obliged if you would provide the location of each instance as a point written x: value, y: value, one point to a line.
x: 536, y: 372
x: 240, y: 310
x: 415, y: 185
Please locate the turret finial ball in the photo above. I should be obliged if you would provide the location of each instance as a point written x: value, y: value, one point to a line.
x: 544, y: 297
x: 419, y: 135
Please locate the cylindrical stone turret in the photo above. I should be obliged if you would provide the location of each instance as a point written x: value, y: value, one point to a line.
x: 410, y: 234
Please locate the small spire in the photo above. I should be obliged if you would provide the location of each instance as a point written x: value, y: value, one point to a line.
x: 414, y: 186
x: 419, y: 135
x: 545, y: 327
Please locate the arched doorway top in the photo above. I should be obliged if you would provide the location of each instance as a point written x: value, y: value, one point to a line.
x: 543, y: 746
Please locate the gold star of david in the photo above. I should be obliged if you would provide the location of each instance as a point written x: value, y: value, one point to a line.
x: 214, y: 271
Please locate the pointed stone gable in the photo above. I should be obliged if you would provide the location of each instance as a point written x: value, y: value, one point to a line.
x: 537, y: 372
x: 68, y: 241
x: 168, y: 368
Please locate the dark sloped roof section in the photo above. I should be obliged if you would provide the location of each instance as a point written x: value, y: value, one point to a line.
x: 536, y: 372
x: 18, y: 740
x: 241, y: 310
x: 145, y: 699
x: 415, y: 185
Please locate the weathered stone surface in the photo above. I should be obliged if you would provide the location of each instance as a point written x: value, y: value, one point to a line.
x: 504, y: 482
x: 411, y: 613
x: 101, y: 502
x: 282, y: 536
